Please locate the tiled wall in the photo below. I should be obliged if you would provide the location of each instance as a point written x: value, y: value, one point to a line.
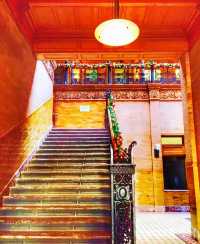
x: 25, y: 98
x: 16, y: 146
x: 17, y: 65
x: 135, y: 124
x: 67, y: 114
x: 193, y: 167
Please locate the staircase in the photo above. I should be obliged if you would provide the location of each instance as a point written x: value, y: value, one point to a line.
x: 63, y: 194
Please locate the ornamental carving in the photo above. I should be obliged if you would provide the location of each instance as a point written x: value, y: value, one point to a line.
x: 171, y: 95
x: 127, y: 95
x: 154, y: 94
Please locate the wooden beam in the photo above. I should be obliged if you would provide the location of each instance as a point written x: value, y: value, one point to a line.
x: 111, y: 56
x: 109, y: 3
x: 178, y: 45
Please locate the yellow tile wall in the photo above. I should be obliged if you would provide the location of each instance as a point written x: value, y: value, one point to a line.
x: 16, y: 146
x: 67, y: 114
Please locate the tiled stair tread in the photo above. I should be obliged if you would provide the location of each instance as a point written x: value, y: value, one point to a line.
x: 85, y: 159
x: 47, y: 180
x: 68, y: 171
x: 61, y: 150
x: 58, y: 174
x: 55, y: 219
x: 83, y: 235
x: 77, y: 146
x: 96, y: 130
x: 74, y: 135
x: 82, y: 138
x: 77, y: 206
x: 67, y: 165
x: 64, y: 197
x: 75, y: 195
x: 49, y: 240
x: 63, y: 194
x: 50, y: 191
x: 65, y: 186
x: 61, y: 212
x: 73, y: 153
x: 65, y: 142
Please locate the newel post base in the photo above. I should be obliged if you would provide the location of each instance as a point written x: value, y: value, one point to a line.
x: 123, y: 203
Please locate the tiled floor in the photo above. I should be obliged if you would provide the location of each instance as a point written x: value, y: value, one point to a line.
x: 161, y: 228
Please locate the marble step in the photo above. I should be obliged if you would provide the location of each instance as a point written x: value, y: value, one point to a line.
x: 69, y: 134
x: 56, y: 199
x: 67, y: 237
x: 48, y: 189
x: 78, y: 139
x: 63, y: 180
x: 77, y: 143
x: 79, y: 129
x: 67, y: 166
x: 61, y: 173
x: 71, y: 160
x: 47, y: 240
x: 67, y: 206
x: 54, y: 227
x: 77, y: 146
x: 47, y: 211
x: 72, y: 155
x: 74, y: 150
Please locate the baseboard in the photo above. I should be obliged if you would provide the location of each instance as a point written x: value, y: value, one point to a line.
x: 177, y: 208
x: 162, y: 208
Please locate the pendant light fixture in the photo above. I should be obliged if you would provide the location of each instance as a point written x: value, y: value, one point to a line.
x: 117, y: 32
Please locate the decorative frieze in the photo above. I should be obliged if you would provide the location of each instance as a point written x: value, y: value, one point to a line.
x: 171, y: 95
x: 132, y: 94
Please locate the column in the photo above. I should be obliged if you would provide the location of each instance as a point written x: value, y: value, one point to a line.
x: 191, y: 118
x: 157, y: 163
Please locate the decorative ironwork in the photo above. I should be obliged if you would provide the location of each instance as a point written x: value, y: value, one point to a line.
x: 122, y: 170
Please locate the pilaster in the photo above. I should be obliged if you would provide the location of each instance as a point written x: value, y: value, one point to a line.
x: 157, y: 164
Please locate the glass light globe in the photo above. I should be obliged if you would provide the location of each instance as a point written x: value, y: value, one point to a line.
x: 117, y: 32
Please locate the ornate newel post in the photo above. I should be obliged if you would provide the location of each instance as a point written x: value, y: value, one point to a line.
x: 122, y: 172
x: 123, y: 201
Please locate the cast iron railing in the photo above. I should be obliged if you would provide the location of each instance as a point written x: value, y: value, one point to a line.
x: 122, y: 172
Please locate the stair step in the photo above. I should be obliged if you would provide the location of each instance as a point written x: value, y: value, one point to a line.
x: 52, y: 237
x: 46, y: 189
x: 56, y: 199
x: 68, y: 220
x: 72, y: 155
x: 71, y: 160
x: 13, y: 239
x: 59, y: 173
x: 78, y: 129
x: 73, y: 150
x: 74, y: 142
x: 77, y: 146
x: 54, y: 227
x: 74, y: 135
x: 63, y: 180
x: 63, y: 212
x: 77, y: 166
x: 77, y: 206
x: 83, y: 138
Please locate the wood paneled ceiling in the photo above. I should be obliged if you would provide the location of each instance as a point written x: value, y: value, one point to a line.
x: 64, y: 26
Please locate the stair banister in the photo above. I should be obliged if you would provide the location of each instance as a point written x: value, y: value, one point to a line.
x: 122, y: 172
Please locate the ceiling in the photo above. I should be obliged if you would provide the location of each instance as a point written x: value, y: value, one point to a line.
x: 66, y: 26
